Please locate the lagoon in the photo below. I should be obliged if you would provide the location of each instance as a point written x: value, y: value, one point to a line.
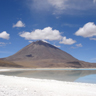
x: 69, y: 75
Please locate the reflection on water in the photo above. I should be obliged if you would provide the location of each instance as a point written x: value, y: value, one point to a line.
x: 61, y: 75
x: 87, y: 79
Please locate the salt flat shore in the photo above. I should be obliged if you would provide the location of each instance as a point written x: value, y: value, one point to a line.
x: 20, y: 86
x: 16, y: 69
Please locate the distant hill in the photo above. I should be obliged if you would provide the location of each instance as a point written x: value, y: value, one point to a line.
x: 4, y: 63
x: 40, y: 54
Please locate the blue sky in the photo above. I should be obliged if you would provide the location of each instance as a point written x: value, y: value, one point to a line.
x: 67, y: 24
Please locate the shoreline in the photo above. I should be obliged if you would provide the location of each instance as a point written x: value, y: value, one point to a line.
x: 22, y: 69
x: 43, y: 68
x: 23, y: 86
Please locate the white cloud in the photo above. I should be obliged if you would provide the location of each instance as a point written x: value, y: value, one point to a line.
x: 58, y: 4
x: 79, y: 45
x: 30, y: 41
x: 57, y: 46
x: 45, y: 41
x: 62, y: 6
x: 4, y: 35
x: 44, y: 34
x: 19, y: 24
x: 88, y: 30
x: 47, y: 5
x: 42, y: 40
x: 92, y: 38
x: 67, y: 41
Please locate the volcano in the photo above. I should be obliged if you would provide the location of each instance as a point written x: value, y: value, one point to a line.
x: 40, y: 54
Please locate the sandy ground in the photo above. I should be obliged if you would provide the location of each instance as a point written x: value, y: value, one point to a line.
x: 20, y: 86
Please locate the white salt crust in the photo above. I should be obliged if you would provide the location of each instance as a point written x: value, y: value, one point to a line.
x: 21, y: 86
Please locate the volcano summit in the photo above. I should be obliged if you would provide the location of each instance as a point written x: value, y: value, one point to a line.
x: 40, y: 54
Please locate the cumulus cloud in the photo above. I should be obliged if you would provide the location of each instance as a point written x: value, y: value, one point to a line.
x: 57, y: 46
x: 79, y: 45
x: 4, y: 35
x: 42, y: 34
x: 30, y: 41
x: 19, y: 24
x: 45, y: 41
x: 88, y: 30
x: 42, y: 40
x: 68, y: 41
x: 46, y: 34
x: 62, y: 6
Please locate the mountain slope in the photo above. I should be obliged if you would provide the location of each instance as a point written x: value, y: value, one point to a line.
x: 42, y: 54
x: 8, y: 64
x: 40, y: 50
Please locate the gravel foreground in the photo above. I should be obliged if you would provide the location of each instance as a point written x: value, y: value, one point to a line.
x: 21, y: 86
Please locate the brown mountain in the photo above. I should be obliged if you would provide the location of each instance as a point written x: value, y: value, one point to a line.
x: 41, y: 54
x: 4, y: 63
